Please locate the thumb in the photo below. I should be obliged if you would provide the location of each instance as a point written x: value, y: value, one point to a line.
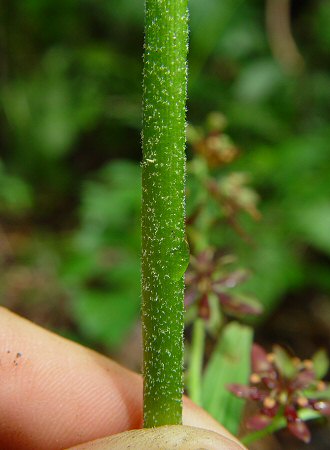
x: 181, y: 437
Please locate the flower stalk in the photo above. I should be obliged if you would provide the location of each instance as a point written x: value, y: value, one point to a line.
x: 165, y: 254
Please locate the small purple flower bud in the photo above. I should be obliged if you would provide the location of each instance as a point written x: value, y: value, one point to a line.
x: 260, y: 362
x: 258, y: 422
x: 322, y: 407
x: 300, y: 430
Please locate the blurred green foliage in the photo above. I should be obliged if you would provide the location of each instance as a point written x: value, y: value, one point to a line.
x: 70, y: 87
x: 102, y: 268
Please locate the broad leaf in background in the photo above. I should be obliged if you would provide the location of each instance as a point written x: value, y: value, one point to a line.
x: 229, y: 363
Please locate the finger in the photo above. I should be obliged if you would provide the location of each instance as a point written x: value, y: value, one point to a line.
x: 195, y: 416
x: 167, y: 437
x: 56, y: 393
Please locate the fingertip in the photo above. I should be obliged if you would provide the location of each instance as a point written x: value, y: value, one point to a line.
x: 196, y: 416
x: 57, y: 393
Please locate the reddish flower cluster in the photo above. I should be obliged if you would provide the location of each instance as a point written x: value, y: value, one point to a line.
x: 283, y: 385
x: 212, y: 144
x: 207, y: 276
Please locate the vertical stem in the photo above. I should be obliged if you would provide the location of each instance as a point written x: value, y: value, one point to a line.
x: 196, y: 361
x: 165, y: 254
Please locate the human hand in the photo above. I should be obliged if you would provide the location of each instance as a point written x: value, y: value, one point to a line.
x: 55, y: 394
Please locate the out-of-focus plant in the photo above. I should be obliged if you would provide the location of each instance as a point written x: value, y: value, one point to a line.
x: 217, y: 198
x: 209, y: 277
x: 218, y: 193
x: 288, y: 392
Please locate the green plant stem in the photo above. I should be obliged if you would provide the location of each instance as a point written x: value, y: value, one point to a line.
x: 277, y: 424
x: 196, y: 361
x: 165, y: 254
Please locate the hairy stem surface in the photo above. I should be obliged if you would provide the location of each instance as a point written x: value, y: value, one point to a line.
x: 165, y: 254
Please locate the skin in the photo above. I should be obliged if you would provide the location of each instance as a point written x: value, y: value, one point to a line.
x: 172, y: 437
x: 56, y: 394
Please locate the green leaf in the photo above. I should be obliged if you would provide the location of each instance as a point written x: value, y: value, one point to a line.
x: 284, y: 362
x: 318, y: 394
x: 320, y: 363
x: 229, y: 363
